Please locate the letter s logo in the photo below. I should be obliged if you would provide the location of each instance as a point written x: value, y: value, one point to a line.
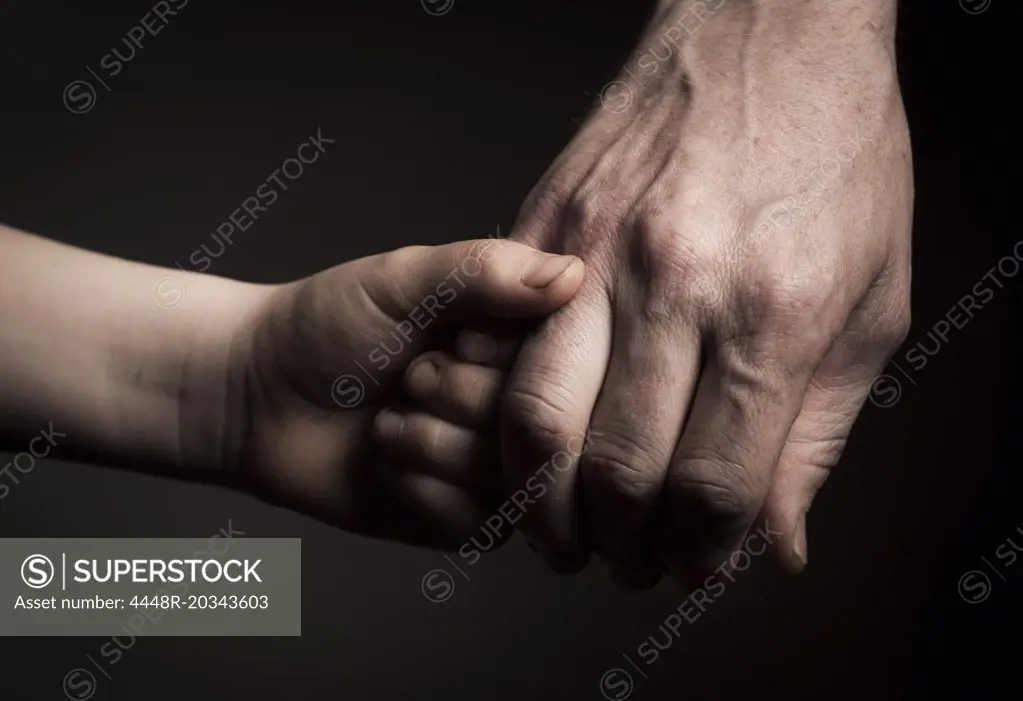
x: 37, y: 571
x: 438, y: 586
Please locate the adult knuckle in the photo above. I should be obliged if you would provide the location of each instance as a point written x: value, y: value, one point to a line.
x: 714, y: 494
x: 657, y: 246
x: 615, y: 475
x: 817, y: 453
x: 775, y: 296
x: 546, y: 199
x: 788, y: 311
x: 592, y: 213
x: 658, y: 261
x: 620, y: 465
x: 537, y: 413
x: 678, y: 273
x: 722, y: 468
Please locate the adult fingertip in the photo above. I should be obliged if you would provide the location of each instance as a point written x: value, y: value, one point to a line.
x: 799, y: 545
x: 790, y: 550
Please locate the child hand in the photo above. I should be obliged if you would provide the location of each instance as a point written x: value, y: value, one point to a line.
x: 326, y: 354
x: 441, y: 447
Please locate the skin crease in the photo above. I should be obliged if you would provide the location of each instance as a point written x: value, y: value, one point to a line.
x: 742, y: 204
x: 214, y: 380
x: 290, y: 443
x: 743, y: 201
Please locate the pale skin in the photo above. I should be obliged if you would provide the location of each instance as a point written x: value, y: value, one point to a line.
x: 742, y: 203
x: 235, y: 383
x: 742, y: 199
x: 723, y: 361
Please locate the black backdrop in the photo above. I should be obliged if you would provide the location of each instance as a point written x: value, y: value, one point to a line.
x: 442, y: 125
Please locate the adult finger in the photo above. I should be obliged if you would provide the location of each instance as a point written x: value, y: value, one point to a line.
x: 635, y: 427
x: 758, y: 368
x: 840, y: 388
x: 546, y: 407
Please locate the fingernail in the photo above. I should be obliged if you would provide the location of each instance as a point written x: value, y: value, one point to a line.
x: 423, y: 377
x: 546, y: 270
x: 388, y: 425
x: 475, y: 347
x: 799, y: 543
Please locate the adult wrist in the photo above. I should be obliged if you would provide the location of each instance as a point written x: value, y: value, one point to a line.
x: 794, y: 20
x: 722, y: 49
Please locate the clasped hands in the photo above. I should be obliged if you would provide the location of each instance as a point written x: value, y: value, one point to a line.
x: 733, y: 237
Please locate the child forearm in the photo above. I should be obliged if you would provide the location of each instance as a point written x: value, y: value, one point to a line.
x: 130, y: 361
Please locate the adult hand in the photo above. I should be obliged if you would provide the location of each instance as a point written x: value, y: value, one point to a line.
x: 742, y: 199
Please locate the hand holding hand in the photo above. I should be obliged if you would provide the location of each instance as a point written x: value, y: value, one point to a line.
x: 326, y: 354
x: 743, y: 207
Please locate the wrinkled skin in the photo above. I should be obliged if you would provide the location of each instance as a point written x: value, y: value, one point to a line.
x: 745, y: 219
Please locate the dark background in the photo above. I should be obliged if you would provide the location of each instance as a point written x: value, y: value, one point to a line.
x: 443, y: 123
